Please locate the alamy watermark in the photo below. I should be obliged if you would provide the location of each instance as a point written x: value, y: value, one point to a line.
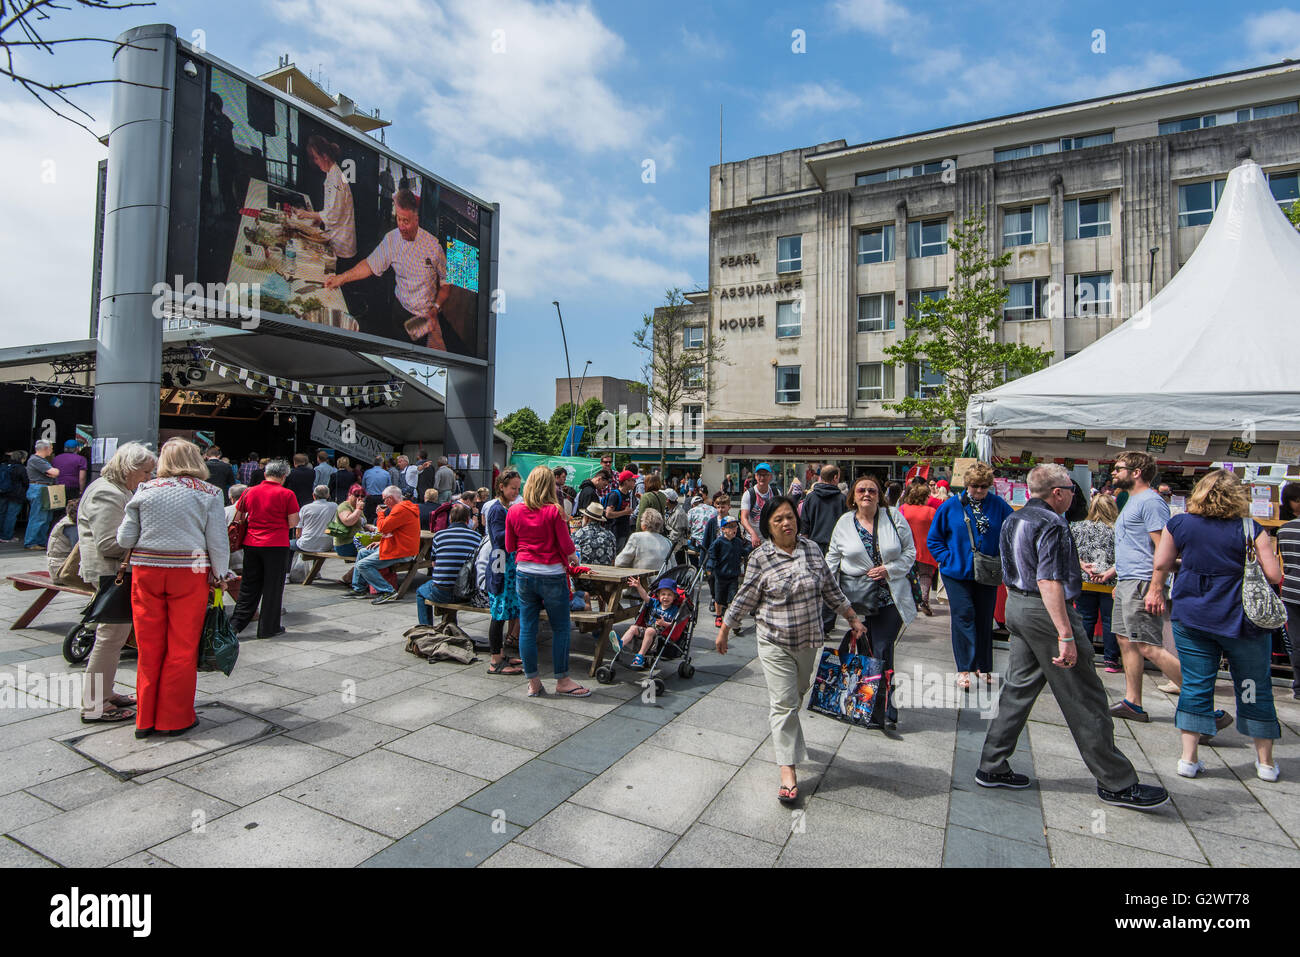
x: 214, y: 300
x: 640, y: 431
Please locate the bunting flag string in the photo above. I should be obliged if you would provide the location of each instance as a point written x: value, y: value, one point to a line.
x: 347, y: 396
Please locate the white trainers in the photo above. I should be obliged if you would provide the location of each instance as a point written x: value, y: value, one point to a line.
x: 1266, y: 772
x: 1189, y: 769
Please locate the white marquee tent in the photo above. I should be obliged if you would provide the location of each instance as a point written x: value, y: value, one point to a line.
x: 1213, y: 352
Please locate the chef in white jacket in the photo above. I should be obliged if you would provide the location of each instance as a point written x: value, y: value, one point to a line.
x: 872, y: 543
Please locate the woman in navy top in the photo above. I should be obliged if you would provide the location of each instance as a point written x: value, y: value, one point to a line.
x: 970, y: 603
x: 1209, y: 621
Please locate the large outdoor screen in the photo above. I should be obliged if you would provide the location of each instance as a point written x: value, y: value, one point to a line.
x: 327, y: 228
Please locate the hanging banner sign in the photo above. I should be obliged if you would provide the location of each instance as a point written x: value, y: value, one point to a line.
x: 1077, y: 435
x: 1117, y: 440
x: 1198, y: 443
x: 1157, y: 442
x: 331, y: 434
x: 1239, y: 449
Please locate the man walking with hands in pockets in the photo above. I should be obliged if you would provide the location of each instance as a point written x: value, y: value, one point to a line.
x: 1040, y: 568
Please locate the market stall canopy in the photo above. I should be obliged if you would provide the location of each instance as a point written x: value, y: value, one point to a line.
x: 1210, y: 353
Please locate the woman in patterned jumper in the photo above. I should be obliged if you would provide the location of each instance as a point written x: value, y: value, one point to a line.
x: 175, y: 526
x: 785, y: 584
x: 1094, y: 539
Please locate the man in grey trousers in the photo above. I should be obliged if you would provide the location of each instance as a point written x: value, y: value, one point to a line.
x: 1040, y: 568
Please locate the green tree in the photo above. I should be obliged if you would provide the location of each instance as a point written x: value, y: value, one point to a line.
x: 561, y: 419
x: 528, y: 432
x: 957, y: 338
x: 672, y: 373
x: 1293, y: 214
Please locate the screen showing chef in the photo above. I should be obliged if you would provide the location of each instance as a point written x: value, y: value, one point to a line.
x: 332, y: 231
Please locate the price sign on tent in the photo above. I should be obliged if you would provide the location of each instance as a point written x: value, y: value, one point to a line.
x: 1117, y: 440
x: 1157, y: 442
x: 1077, y: 435
x: 1239, y: 449
x: 1197, y: 444
x: 1288, y: 452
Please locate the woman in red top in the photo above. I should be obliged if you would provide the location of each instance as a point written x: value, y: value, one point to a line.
x: 919, y: 514
x: 272, y: 510
x: 539, y: 535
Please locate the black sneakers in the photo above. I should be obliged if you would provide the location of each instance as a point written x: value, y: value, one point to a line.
x: 1141, y: 797
x: 1006, y: 779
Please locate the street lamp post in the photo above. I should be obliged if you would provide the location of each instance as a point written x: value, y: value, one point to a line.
x: 574, y: 408
x: 567, y: 368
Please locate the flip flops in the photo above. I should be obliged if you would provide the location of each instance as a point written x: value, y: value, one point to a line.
x: 788, y: 795
x: 578, y: 692
x: 109, y: 715
x: 502, y: 668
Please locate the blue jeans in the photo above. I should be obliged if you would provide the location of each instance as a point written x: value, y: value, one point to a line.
x: 367, y: 569
x: 38, y: 519
x: 971, y: 606
x: 1090, y: 605
x: 9, y: 509
x: 430, y: 592
x: 1248, y: 663
x: 346, y: 551
x: 552, y: 593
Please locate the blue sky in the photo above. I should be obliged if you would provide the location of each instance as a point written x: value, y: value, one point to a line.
x: 558, y: 122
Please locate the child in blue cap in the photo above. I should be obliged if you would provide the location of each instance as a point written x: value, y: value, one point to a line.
x: 663, y: 615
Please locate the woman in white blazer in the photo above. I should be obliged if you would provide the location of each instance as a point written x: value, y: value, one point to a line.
x: 873, y: 541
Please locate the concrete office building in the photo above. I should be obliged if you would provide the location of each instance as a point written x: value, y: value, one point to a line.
x: 819, y: 255
x: 610, y: 391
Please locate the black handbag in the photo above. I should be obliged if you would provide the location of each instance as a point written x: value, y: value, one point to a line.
x: 988, y: 568
x: 867, y: 595
x: 218, y: 644
x: 112, y: 602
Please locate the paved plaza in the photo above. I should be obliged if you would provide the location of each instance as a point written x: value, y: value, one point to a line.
x: 332, y: 746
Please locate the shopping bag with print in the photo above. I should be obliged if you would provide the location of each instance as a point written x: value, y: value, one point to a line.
x: 218, y: 646
x: 846, y: 688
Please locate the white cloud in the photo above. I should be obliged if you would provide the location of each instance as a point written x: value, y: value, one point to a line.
x: 1273, y: 36
x: 783, y: 106
x: 48, y: 199
x: 884, y: 18
x: 703, y: 46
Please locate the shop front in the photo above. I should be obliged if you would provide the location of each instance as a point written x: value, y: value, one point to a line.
x: 736, y: 460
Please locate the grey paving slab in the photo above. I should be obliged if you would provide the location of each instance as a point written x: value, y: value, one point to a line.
x: 1246, y: 819
x: 347, y: 734
x: 739, y: 691
x: 392, y: 683
x: 41, y: 725
x: 913, y: 794
x: 521, y: 723
x: 74, y: 790
x: 748, y: 805
x: 518, y: 855
x: 127, y: 756
x: 361, y: 666
x: 141, y: 860
x: 1228, y: 850
x: 260, y: 696
x: 413, y: 709
x: 984, y: 810
x: 473, y: 681
x: 593, y: 838
x: 274, y: 832
x: 262, y: 768
x: 833, y: 835
x: 595, y: 705
x: 17, y: 655
x: 664, y: 789
x: 529, y: 792
x: 298, y: 659
x: 385, y: 792
x: 13, y: 854
x: 966, y: 763
x: 35, y: 763
x: 458, y: 837
x: 734, y: 717
x: 600, y: 744
x: 313, y: 681
x: 20, y: 808
x: 705, y: 846
x: 1161, y: 830
x: 1282, y: 807
x: 705, y: 743
x: 1069, y: 849
x: 313, y: 709
x: 461, y: 751
x: 966, y: 847
x: 115, y: 827
x: 663, y: 709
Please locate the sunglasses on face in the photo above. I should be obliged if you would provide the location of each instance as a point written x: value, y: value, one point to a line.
x: 974, y: 488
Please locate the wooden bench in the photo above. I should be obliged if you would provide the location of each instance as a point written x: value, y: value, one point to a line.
x: 406, y: 569
x: 596, y: 623
x: 30, y: 581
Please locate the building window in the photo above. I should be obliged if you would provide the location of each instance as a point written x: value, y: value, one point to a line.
x: 692, y: 417
x: 875, y: 381
x: 1242, y: 115
x: 1024, y: 225
x: 787, y: 384
x: 695, y: 377
x: 1062, y: 145
x: 901, y: 172
x: 876, y: 245
x: 1024, y: 300
x: 876, y: 312
x: 1087, y: 218
x: 789, y: 254
x: 916, y: 295
x: 693, y: 337
x: 1285, y: 187
x: 928, y: 238
x: 1092, y: 295
x: 921, y: 382
x: 789, y: 319
x: 1198, y: 201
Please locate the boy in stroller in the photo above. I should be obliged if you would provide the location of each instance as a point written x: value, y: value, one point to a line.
x: 663, y: 610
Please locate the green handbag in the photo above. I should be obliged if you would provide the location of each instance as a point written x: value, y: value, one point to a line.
x: 219, y: 645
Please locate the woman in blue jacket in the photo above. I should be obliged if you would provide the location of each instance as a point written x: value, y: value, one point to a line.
x: 949, y: 541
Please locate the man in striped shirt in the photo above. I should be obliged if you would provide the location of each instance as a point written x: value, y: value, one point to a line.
x: 420, y: 273
x: 452, y: 547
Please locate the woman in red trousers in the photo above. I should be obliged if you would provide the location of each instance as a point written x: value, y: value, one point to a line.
x: 175, y: 526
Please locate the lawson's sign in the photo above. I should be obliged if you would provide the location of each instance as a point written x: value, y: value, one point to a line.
x: 333, y: 434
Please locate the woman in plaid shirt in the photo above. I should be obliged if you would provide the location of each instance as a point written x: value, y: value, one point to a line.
x: 785, y: 585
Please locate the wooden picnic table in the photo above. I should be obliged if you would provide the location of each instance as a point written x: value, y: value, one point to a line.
x: 422, y: 560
